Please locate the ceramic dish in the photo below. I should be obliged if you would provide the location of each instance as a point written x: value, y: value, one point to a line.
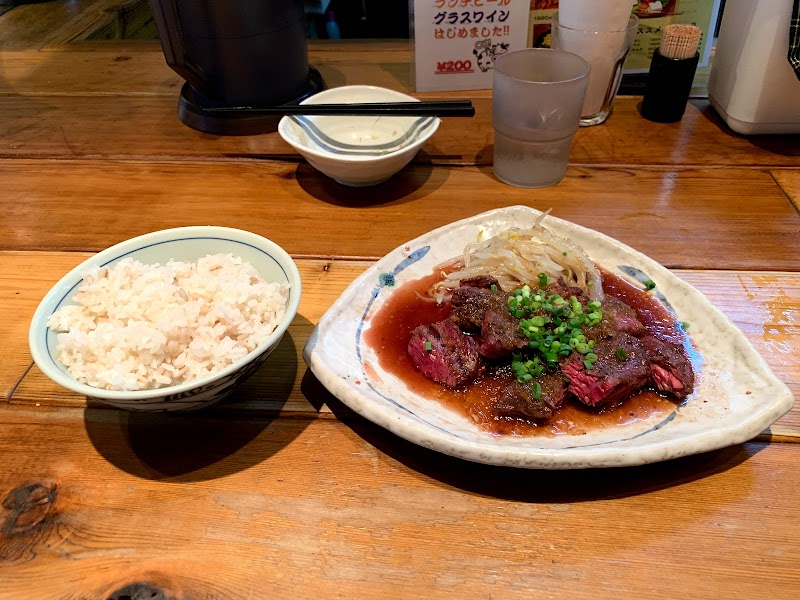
x: 737, y: 396
x: 187, y: 244
x: 357, y: 151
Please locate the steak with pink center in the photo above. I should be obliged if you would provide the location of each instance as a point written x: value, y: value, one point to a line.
x: 445, y: 354
x: 621, y: 368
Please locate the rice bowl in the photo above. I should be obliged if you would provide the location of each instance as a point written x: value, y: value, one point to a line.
x: 249, y: 323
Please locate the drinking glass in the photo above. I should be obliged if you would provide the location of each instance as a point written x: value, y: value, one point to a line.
x: 536, y: 104
x: 605, y: 51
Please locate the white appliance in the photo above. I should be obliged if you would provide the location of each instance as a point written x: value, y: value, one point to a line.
x: 752, y: 85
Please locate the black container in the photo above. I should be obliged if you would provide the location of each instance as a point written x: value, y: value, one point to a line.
x: 668, y: 87
x: 235, y: 53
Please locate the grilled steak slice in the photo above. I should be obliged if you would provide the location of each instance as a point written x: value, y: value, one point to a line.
x: 517, y: 400
x: 669, y: 366
x: 611, y: 378
x: 560, y: 287
x: 480, y: 281
x: 453, y: 356
x: 617, y: 317
x: 500, y: 335
x: 623, y: 316
x: 469, y: 306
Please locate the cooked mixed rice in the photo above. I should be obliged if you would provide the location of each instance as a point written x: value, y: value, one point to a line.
x: 138, y: 326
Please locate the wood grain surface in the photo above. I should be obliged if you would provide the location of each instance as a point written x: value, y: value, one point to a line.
x: 281, y: 491
x: 146, y: 127
x: 203, y: 508
x: 764, y: 305
x: 135, y: 126
x: 129, y: 93
x: 790, y: 183
x: 35, y: 25
x: 138, y: 68
x: 684, y: 219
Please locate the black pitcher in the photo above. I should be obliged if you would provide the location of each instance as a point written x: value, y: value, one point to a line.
x: 235, y: 53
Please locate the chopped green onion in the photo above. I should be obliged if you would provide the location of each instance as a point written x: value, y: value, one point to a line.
x: 650, y: 284
x: 493, y: 287
x: 552, y: 326
x: 542, y: 280
x: 428, y: 346
x: 587, y: 364
x: 685, y: 324
x: 621, y: 354
x: 536, y: 390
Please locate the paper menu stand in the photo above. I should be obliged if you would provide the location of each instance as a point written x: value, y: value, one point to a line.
x: 457, y: 41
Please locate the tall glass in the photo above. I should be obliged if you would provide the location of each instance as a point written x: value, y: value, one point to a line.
x: 605, y: 51
x: 536, y: 104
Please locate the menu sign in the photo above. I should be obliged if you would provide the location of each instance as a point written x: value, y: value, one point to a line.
x: 456, y: 42
x: 653, y: 16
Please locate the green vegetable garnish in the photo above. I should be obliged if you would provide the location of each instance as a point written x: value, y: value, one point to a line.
x: 650, y: 284
x: 428, y: 346
x: 542, y: 280
x: 621, y: 354
x: 536, y: 390
x: 552, y: 325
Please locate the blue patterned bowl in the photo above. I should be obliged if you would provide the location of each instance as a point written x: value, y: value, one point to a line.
x: 184, y: 243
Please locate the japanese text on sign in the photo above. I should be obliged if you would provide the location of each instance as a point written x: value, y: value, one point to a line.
x: 463, y: 39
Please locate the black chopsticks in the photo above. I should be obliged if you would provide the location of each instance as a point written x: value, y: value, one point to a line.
x: 427, y: 108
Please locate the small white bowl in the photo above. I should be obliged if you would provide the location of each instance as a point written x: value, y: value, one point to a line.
x: 358, y: 151
x: 187, y: 244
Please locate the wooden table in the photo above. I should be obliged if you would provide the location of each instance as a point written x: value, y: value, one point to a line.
x: 282, y: 492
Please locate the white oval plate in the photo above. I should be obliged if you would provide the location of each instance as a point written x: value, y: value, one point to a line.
x: 736, y: 398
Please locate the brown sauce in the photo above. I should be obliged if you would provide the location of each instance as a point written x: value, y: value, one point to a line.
x: 391, y: 326
x: 653, y: 315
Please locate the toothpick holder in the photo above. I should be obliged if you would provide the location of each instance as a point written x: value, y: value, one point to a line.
x: 668, y: 87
